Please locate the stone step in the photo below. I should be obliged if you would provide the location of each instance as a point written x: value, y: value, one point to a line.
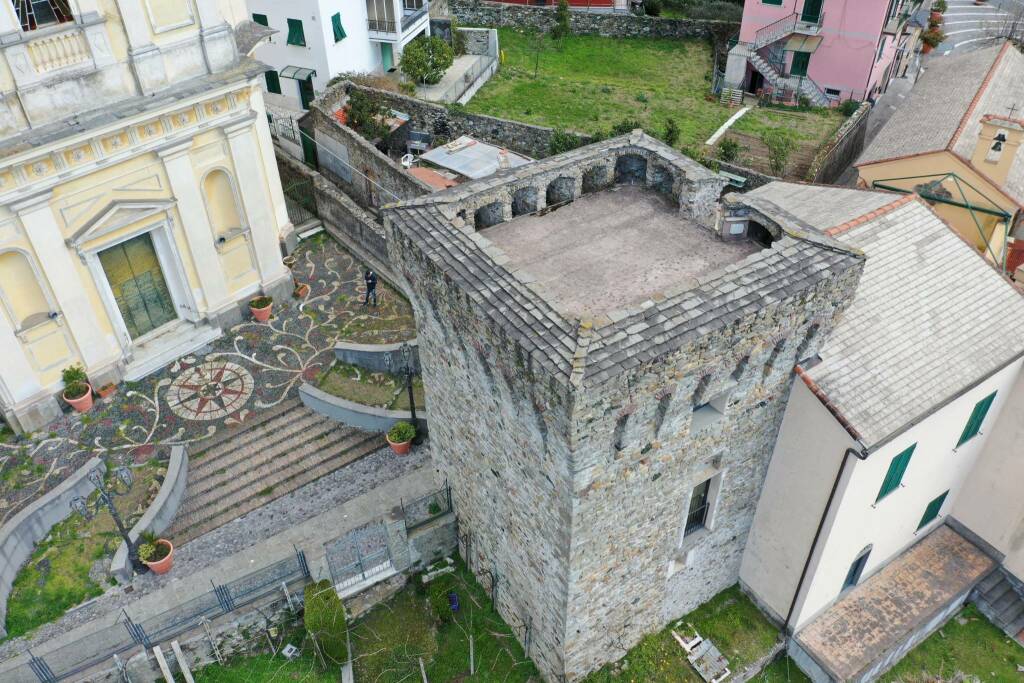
x: 1012, y: 612
x: 284, y: 453
x: 247, y: 432
x: 997, y: 592
x: 990, y: 581
x: 1005, y: 601
x: 300, y: 427
x: 296, y: 479
x: 257, y: 418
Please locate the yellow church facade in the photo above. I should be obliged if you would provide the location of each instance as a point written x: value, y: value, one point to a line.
x: 140, y: 203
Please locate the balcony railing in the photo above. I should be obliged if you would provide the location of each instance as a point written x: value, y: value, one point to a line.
x: 382, y: 25
x: 410, y: 14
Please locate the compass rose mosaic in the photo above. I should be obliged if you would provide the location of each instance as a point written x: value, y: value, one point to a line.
x: 209, y: 391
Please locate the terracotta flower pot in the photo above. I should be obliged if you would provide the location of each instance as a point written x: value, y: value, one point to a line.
x: 106, y: 390
x: 162, y: 566
x: 261, y: 314
x: 82, y: 403
x: 926, y: 48
x: 301, y: 291
x: 402, y: 448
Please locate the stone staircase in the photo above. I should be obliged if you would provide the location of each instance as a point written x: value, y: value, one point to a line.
x: 1001, y: 598
x: 274, y: 453
x: 804, y: 86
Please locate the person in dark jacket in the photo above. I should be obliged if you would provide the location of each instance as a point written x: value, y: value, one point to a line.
x: 370, y: 278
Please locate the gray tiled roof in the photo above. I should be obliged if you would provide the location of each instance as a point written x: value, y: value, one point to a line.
x: 929, y: 319
x: 930, y: 116
x: 796, y: 262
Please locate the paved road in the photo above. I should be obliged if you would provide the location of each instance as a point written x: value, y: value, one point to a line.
x: 969, y: 26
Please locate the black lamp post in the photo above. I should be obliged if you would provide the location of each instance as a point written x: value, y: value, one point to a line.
x: 408, y: 368
x: 123, y: 475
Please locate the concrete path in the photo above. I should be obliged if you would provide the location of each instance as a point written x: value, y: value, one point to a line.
x: 309, y: 536
x: 454, y: 74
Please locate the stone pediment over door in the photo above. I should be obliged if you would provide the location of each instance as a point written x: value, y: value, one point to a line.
x: 116, y: 216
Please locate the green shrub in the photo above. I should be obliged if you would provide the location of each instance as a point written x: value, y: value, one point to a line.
x: 728, y: 150
x: 562, y: 141
x: 426, y: 58
x: 366, y: 114
x: 75, y: 382
x: 325, y: 622
x: 458, y: 38
x: 401, y: 432
x: 939, y: 6
x: 848, y: 107
x: 562, y: 27
x: 671, y: 134
x: 780, y: 145
x: 652, y: 8
x: 261, y: 301
x: 625, y: 126
x: 933, y: 36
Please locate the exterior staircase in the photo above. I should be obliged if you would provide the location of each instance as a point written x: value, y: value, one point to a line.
x: 802, y: 85
x: 1000, y: 597
x: 276, y: 452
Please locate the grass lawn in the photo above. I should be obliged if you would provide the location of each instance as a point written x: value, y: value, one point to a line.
x: 379, y: 389
x: 730, y: 620
x: 265, y: 668
x: 807, y: 129
x: 589, y: 83
x: 417, y: 622
x: 969, y: 645
x: 56, y: 577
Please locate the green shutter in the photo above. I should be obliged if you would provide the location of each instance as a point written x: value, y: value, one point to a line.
x: 771, y: 2
x: 339, y: 31
x: 894, y: 477
x: 932, y: 511
x: 296, y: 36
x: 261, y: 19
x: 800, y: 62
x: 273, y: 82
x: 977, y: 418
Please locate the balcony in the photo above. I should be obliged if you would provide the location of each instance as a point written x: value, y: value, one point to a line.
x: 392, y: 20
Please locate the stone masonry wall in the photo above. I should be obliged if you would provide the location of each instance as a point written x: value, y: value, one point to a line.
x: 632, y: 569
x: 501, y: 442
x: 618, y: 25
x: 448, y: 123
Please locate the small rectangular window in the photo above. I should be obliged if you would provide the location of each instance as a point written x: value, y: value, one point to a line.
x: 697, y: 515
x: 261, y: 19
x: 273, y: 82
x: 856, y: 569
x: 339, y: 30
x: 894, y: 477
x: 973, y: 427
x: 771, y: 2
x: 932, y: 511
x: 881, y: 49
x: 832, y: 92
x: 296, y: 35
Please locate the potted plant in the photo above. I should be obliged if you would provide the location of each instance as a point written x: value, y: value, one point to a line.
x: 106, y: 390
x: 156, y: 553
x: 301, y: 290
x: 938, y: 8
x: 260, y: 308
x: 931, y: 38
x: 400, y: 437
x: 77, y: 390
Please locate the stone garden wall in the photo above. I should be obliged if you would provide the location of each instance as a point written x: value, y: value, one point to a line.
x: 842, y: 149
x: 159, y: 514
x: 18, y: 537
x: 376, y: 357
x: 370, y: 418
x: 613, y: 24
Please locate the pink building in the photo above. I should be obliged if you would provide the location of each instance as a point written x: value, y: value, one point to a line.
x: 825, y: 50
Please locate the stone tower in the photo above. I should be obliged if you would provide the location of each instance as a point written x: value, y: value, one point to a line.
x: 607, y: 351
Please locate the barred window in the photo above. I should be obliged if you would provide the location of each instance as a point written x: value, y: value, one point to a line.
x: 33, y: 14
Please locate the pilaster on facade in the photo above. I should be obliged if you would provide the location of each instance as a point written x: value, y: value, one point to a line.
x: 217, y: 36
x: 40, y: 225
x: 196, y: 225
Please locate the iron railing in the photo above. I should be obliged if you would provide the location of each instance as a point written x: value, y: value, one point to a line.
x: 426, y: 509
x: 459, y: 87
x: 784, y: 26
x: 345, y: 575
x: 126, y: 634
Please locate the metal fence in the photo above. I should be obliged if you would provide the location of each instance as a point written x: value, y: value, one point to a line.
x: 346, y: 575
x: 425, y: 509
x: 459, y: 87
x: 300, y: 199
x: 127, y: 634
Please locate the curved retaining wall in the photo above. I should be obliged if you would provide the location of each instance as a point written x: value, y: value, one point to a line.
x: 160, y: 513
x: 18, y: 537
x: 354, y: 414
x: 376, y: 357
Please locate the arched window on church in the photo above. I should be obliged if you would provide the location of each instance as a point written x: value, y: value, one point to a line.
x: 221, y: 203
x: 20, y: 291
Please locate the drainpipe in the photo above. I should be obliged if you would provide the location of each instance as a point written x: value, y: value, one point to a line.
x: 861, y: 454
